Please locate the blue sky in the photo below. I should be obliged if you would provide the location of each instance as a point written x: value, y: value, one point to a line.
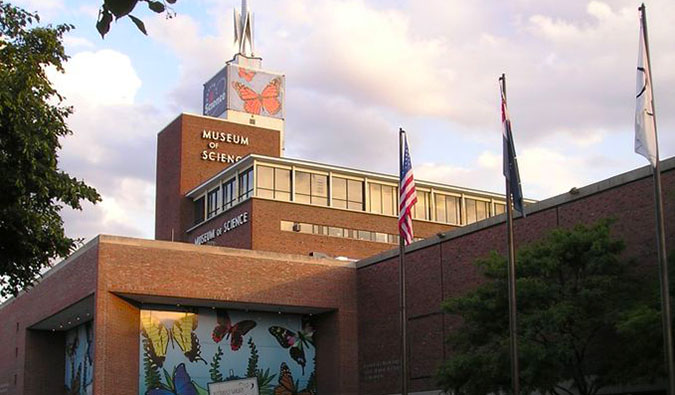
x: 357, y: 71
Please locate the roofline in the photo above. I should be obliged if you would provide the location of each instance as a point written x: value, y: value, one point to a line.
x: 346, y: 170
x: 567, y: 197
x: 74, y: 255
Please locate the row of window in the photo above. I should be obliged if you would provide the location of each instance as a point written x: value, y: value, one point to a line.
x: 220, y: 199
x: 333, y: 231
x: 313, y: 188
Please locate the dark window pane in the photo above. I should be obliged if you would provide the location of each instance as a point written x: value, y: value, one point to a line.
x: 199, y: 210
x: 212, y: 203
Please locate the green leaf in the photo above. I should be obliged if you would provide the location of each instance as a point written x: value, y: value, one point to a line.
x: 156, y: 6
x: 139, y: 24
x: 103, y: 24
x: 171, y: 1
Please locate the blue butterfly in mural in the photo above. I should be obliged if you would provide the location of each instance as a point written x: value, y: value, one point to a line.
x: 179, y: 384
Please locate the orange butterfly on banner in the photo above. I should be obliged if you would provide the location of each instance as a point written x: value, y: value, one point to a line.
x: 254, y: 102
x: 246, y: 74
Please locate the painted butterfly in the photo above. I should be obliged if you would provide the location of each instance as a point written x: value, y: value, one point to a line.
x: 182, y: 333
x: 180, y: 384
x: 295, y: 342
x: 289, y: 387
x: 246, y: 74
x: 267, y: 100
x: 235, y: 332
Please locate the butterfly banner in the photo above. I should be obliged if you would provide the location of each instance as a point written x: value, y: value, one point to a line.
x: 255, y: 91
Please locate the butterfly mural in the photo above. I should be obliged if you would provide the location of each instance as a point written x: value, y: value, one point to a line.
x: 246, y: 74
x: 267, y: 100
x: 289, y: 387
x: 226, y: 330
x: 181, y: 333
x: 179, y: 383
x: 295, y: 342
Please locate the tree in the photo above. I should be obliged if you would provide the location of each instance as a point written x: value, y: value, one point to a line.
x: 32, y: 119
x: 121, y: 8
x: 581, y: 310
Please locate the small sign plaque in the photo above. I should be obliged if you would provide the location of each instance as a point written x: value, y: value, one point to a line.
x: 235, y: 387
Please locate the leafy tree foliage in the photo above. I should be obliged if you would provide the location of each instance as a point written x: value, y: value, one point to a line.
x: 120, y: 8
x: 32, y: 119
x: 586, y: 320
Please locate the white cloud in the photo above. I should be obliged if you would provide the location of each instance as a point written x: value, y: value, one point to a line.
x: 113, y: 144
x: 101, y: 78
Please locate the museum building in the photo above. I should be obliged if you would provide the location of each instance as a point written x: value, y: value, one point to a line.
x: 278, y: 269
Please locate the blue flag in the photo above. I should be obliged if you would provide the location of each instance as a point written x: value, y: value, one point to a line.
x: 510, y: 161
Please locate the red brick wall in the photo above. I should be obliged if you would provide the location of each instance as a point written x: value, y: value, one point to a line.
x: 443, y: 270
x: 267, y: 234
x: 62, y: 287
x: 204, y: 273
x: 180, y: 167
x: 239, y: 237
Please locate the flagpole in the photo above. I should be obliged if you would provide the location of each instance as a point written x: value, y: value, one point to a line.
x: 513, y: 328
x: 660, y: 232
x: 401, y: 279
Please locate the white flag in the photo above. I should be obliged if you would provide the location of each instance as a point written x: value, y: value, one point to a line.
x: 645, y: 124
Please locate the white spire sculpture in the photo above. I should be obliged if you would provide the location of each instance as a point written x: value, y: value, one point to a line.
x: 243, y: 29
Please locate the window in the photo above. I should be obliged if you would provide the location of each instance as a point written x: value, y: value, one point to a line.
x: 274, y: 183
x: 383, y: 199
x: 228, y: 194
x: 212, y: 203
x: 476, y: 210
x: 347, y: 193
x: 421, y: 208
x: 311, y: 188
x: 199, y: 210
x: 499, y: 208
x: 330, y: 231
x: 447, y: 208
x: 246, y: 184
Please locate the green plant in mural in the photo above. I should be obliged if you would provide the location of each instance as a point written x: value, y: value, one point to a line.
x: 216, y: 376
x: 152, y: 377
x: 251, y: 370
x: 265, y: 379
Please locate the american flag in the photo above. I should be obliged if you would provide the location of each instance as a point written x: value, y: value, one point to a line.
x: 407, y: 194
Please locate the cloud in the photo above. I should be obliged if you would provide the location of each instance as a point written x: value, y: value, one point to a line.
x: 113, y: 143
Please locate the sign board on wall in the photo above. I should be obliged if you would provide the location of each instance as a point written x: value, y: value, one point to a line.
x: 248, y: 90
x: 215, y: 101
x: 235, y: 387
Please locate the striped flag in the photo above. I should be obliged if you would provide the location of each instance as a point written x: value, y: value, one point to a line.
x: 509, y: 154
x: 645, y: 124
x: 407, y: 194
